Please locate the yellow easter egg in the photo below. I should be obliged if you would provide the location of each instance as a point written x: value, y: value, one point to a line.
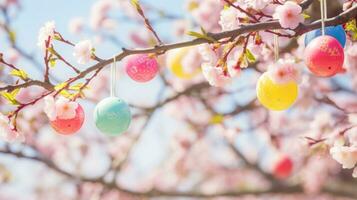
x: 276, y: 96
x: 174, y: 62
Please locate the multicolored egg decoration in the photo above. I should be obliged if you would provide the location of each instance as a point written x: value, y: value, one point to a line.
x: 324, y: 56
x: 276, y: 96
x: 174, y: 62
x: 69, y: 126
x: 112, y: 116
x: 141, y: 67
x: 335, y: 31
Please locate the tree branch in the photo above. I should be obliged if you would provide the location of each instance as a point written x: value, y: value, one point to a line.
x: 340, y: 19
x: 271, y: 25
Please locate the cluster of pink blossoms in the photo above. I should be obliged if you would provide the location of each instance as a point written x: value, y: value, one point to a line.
x: 7, y: 131
x: 346, y: 154
x: 220, y: 74
x: 205, y: 13
x: 99, y: 15
x: 289, y: 15
x: 46, y: 34
x: 82, y: 50
x: 284, y: 71
x: 7, y: 3
x: 62, y: 108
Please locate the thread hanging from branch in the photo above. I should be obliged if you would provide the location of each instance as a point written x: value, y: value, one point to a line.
x: 323, y: 9
x: 276, y: 47
x: 113, y: 78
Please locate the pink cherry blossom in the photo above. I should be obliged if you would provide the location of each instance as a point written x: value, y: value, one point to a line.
x: 284, y: 71
x: 351, y: 58
x: 207, y: 54
x: 7, y: 132
x: 7, y: 3
x: 102, y: 7
x: 50, y: 108
x: 12, y: 55
x: 258, y: 4
x: 345, y: 155
x: 109, y: 24
x: 99, y: 13
x: 45, y: 33
x: 229, y: 19
x: 96, y: 21
x: 207, y: 13
x: 76, y: 25
x: 181, y: 27
x: 233, y: 69
x: 289, y: 15
x: 66, y: 109
x: 191, y: 61
x: 83, y: 51
x: 215, y: 75
x: 14, y: 136
x: 59, y: 109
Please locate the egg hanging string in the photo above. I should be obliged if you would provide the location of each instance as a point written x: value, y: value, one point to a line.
x: 276, y: 46
x: 323, y: 8
x: 113, y: 78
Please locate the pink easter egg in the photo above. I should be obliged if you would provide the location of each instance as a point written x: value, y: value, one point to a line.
x: 324, y: 56
x: 69, y: 126
x: 141, y: 68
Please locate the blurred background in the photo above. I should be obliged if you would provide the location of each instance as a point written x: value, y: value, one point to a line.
x: 187, y: 139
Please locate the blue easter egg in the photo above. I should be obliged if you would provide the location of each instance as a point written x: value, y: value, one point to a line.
x: 335, y: 31
x: 112, y: 116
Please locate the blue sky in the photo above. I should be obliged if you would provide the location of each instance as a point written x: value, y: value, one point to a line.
x: 35, y: 13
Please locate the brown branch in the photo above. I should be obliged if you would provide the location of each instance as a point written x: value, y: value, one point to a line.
x: 27, y: 84
x: 271, y: 25
x: 65, y: 61
x: 146, y: 21
x: 241, y: 10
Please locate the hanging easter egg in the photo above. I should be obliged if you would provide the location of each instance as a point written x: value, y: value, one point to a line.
x: 174, y: 62
x: 283, y: 167
x: 112, y: 116
x: 276, y: 96
x: 141, y: 67
x: 324, y: 56
x: 69, y: 126
x: 335, y: 31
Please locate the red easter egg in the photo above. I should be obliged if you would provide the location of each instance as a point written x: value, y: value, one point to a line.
x: 283, y: 167
x: 324, y: 56
x: 141, y: 67
x: 69, y: 126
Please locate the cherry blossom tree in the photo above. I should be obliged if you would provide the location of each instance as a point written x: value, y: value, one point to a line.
x: 200, y: 127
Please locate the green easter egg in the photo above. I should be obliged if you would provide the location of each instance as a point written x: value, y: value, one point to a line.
x: 112, y: 116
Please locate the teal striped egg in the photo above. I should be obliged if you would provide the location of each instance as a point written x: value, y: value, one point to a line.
x: 112, y: 116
